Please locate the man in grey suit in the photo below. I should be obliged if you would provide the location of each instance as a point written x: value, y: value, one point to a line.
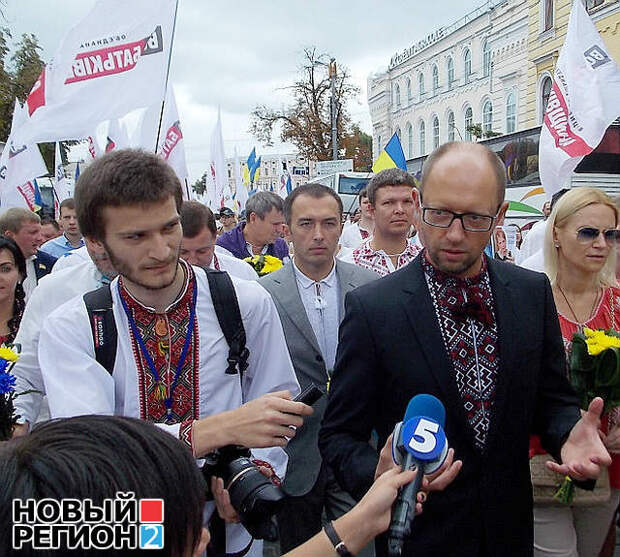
x: 309, y: 296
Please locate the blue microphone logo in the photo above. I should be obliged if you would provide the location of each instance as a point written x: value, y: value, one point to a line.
x: 424, y: 438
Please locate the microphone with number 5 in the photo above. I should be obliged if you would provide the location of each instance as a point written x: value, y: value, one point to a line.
x: 419, y: 442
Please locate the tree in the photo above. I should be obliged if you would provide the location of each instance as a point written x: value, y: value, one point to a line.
x: 306, y: 122
x: 6, y: 87
x: 476, y: 131
x: 200, y: 186
x: 358, y: 146
x: 28, y: 65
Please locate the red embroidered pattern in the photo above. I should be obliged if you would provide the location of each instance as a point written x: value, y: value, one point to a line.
x: 377, y: 261
x: 173, y: 324
x: 186, y: 434
x: 470, y: 339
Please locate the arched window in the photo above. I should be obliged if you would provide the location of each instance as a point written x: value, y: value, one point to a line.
x: 486, y: 59
x: 450, y: 126
x: 409, y: 96
x: 487, y: 117
x: 545, y: 90
x: 410, y: 140
x: 397, y: 93
x: 467, y: 58
x: 469, y: 120
x: 421, y: 83
x: 398, y: 133
x: 511, y: 113
x: 450, y: 72
x: 435, y: 132
x: 435, y: 79
x: 422, y: 136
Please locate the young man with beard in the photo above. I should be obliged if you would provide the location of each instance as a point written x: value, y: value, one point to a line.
x: 483, y: 337
x: 391, y: 206
x: 171, y: 354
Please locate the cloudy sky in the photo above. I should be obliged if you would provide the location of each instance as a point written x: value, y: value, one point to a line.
x: 236, y: 54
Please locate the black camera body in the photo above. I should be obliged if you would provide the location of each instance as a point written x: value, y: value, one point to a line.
x: 254, y: 496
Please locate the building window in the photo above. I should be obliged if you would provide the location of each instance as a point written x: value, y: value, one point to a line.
x: 545, y: 92
x: 421, y: 84
x: 409, y: 96
x: 410, y: 140
x: 422, y: 136
x: 398, y: 133
x: 450, y: 126
x: 487, y: 117
x: 435, y: 80
x: 486, y: 59
x: 590, y: 4
x: 467, y: 66
x: 450, y: 72
x: 435, y: 132
x: 511, y: 113
x: 378, y: 144
x: 469, y: 120
x: 547, y: 14
x: 397, y: 93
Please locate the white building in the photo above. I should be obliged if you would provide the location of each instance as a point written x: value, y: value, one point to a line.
x: 472, y: 71
x: 271, y: 166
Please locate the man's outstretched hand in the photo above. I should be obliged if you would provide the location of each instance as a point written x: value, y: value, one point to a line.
x: 583, y: 453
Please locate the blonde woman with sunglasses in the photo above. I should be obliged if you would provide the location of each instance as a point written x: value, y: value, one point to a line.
x: 580, y: 261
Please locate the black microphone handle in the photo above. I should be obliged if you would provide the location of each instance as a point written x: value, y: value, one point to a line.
x: 404, y: 508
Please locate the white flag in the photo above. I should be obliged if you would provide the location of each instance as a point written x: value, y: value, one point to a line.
x: 241, y: 190
x: 117, y: 137
x: 62, y: 187
x: 145, y: 133
x: 93, y: 145
x: 218, y: 167
x: 113, y: 61
x: 19, y: 166
x: 584, y: 101
x: 171, y: 144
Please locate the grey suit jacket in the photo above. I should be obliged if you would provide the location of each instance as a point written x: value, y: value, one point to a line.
x: 304, y: 459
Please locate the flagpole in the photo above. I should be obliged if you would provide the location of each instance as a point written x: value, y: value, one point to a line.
x: 163, y: 102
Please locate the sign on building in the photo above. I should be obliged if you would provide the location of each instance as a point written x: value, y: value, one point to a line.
x: 331, y: 167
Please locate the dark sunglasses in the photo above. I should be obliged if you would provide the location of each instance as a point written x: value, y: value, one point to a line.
x: 588, y: 234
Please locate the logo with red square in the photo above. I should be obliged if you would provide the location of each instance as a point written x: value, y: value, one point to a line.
x: 151, y: 511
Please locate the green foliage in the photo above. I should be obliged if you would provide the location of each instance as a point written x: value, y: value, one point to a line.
x: 476, y: 131
x: 200, y: 186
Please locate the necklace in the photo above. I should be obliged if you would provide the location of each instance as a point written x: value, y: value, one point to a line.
x: 589, y: 316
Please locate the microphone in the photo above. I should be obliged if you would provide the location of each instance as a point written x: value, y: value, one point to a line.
x: 419, y: 442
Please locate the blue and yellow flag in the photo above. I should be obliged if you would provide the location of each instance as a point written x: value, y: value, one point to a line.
x: 391, y: 157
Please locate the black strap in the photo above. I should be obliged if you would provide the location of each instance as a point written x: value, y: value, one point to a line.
x: 101, y: 317
x: 229, y: 316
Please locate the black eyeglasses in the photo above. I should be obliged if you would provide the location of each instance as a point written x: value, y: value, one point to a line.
x: 589, y: 234
x: 472, y: 222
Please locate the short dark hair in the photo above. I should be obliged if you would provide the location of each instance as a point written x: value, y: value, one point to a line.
x: 20, y: 295
x: 313, y: 190
x: 262, y: 203
x: 96, y: 457
x: 362, y: 194
x: 194, y: 217
x: 496, y: 163
x: 121, y: 178
x: 388, y: 177
x: 49, y: 220
x: 68, y: 203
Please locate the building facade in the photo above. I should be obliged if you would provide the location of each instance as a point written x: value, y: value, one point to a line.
x: 271, y: 168
x: 473, y: 71
x: 548, y: 24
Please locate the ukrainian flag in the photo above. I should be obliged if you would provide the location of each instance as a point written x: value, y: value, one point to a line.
x: 391, y: 157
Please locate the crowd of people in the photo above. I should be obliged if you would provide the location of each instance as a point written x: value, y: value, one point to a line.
x: 142, y: 307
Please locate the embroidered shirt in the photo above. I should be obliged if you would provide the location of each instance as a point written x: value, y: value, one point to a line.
x: 379, y: 261
x: 472, y: 345
x: 164, y: 335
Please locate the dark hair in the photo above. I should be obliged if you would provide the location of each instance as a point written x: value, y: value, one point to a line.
x: 194, y: 217
x: 388, y: 177
x: 13, y: 219
x: 496, y: 163
x: 556, y: 197
x: 49, y: 220
x: 313, y: 190
x: 363, y: 193
x: 262, y: 203
x: 96, y: 457
x: 122, y: 178
x: 20, y: 296
x: 68, y: 203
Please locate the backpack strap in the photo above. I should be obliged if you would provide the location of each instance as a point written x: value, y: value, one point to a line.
x: 103, y: 327
x: 229, y: 316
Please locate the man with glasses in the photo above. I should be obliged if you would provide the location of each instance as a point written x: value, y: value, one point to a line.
x: 483, y: 337
x: 391, y: 207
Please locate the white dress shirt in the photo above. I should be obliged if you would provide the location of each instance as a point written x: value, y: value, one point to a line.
x: 234, y: 267
x: 351, y: 236
x: 30, y: 282
x: 321, y: 301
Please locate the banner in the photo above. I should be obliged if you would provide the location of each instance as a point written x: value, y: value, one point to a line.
x: 117, y: 137
x: 241, y: 190
x: 62, y: 187
x: 113, y: 61
x: 583, y: 102
x: 218, y: 167
x: 19, y: 165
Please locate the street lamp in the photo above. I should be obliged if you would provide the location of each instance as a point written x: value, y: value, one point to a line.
x: 334, y: 117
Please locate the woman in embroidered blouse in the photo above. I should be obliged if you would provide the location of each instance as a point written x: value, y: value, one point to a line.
x: 580, y: 259
x: 12, y: 297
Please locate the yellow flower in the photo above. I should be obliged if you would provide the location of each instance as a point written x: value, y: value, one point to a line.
x: 271, y: 264
x: 8, y: 354
x: 598, y: 341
